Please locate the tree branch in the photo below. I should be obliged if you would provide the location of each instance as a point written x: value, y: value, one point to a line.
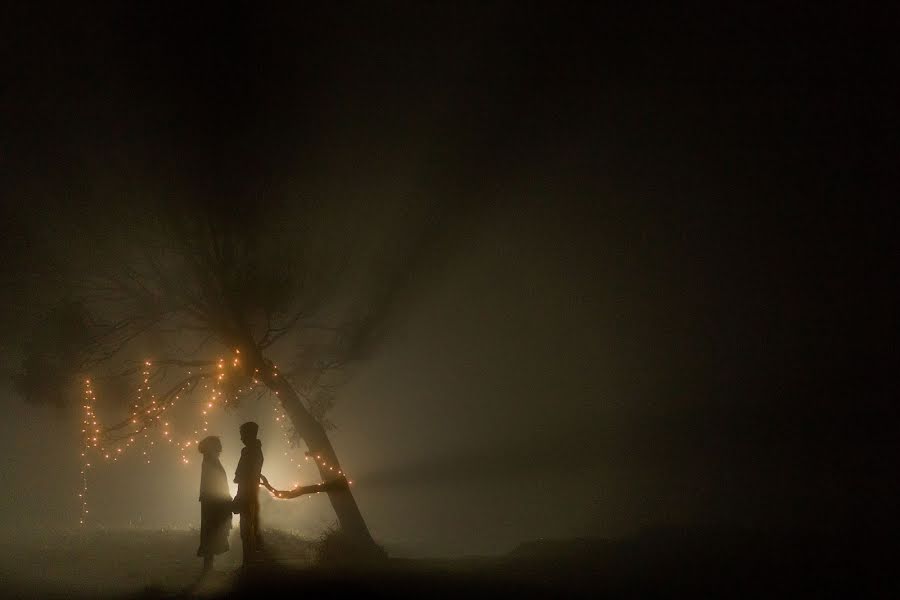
x: 148, y: 413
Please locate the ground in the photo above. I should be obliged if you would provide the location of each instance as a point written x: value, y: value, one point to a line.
x: 116, y: 562
x: 162, y: 564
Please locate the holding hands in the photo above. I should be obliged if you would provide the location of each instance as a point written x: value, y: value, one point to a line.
x: 268, y: 486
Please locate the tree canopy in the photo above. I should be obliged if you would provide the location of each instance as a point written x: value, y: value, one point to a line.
x: 182, y: 283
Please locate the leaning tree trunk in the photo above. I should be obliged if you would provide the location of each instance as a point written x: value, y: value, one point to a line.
x: 351, y: 520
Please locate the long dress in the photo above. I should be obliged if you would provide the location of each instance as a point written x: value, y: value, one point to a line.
x: 215, y: 508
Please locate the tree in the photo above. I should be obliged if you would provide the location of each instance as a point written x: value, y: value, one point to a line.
x: 187, y: 289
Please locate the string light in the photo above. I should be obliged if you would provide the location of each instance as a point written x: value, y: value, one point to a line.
x: 112, y: 443
x: 147, y: 411
x: 89, y: 427
x: 281, y: 419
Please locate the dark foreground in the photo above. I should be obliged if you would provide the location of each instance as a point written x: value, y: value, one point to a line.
x: 659, y: 564
x: 665, y: 564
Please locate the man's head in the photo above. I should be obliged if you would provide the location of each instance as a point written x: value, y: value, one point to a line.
x: 248, y: 432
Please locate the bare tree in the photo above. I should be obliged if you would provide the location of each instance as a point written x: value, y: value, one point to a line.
x: 188, y: 291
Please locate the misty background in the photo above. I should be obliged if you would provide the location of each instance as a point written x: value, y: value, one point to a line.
x: 622, y: 282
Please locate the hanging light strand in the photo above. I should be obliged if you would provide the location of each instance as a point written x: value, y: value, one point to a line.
x: 148, y: 411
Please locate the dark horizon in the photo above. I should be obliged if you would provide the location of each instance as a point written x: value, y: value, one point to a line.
x: 631, y: 268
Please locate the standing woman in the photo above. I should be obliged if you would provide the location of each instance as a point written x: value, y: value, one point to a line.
x: 215, y: 503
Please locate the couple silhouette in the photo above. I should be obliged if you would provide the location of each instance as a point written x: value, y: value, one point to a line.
x: 217, y: 505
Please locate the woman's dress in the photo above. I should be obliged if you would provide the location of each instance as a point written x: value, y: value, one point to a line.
x: 215, y: 509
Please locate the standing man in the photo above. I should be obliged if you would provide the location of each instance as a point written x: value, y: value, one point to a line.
x: 246, y: 501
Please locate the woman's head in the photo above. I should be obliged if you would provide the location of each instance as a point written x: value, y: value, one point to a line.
x: 210, y: 446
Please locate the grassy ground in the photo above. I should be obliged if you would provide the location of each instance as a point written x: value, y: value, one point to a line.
x: 109, y: 563
x: 162, y: 564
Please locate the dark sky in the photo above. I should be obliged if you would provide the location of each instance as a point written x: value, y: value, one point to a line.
x: 649, y: 250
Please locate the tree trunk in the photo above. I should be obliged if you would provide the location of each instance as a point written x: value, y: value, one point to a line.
x: 351, y: 520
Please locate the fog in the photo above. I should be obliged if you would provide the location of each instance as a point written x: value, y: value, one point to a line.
x: 607, y: 287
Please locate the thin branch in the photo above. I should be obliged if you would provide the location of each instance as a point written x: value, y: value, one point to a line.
x: 274, y: 333
x: 109, y: 352
x: 176, y: 362
x: 162, y: 402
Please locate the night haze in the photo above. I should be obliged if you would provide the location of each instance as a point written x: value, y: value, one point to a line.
x: 528, y: 273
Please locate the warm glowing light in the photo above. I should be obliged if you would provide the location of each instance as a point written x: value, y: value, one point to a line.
x: 147, y: 412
